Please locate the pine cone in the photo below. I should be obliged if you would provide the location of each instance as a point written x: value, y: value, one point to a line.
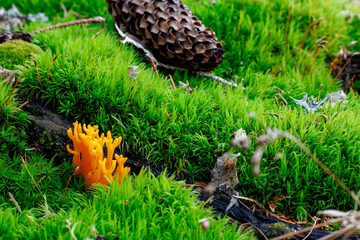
x: 171, y: 31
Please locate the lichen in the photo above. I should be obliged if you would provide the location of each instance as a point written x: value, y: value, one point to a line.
x: 276, y: 229
x: 15, y: 52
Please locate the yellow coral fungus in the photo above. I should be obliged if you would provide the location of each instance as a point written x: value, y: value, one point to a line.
x: 89, y: 155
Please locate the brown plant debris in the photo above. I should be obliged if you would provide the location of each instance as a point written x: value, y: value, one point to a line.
x: 345, y: 67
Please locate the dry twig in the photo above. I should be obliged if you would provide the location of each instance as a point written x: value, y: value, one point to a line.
x: 287, y: 22
x: 48, y: 75
x: 23, y: 161
x: 76, y: 22
x: 276, y: 101
x: 270, y: 82
x: 17, y: 80
x: 172, y: 82
x: 282, y: 99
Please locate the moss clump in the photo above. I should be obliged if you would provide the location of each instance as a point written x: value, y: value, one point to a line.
x: 275, y: 229
x: 14, y: 52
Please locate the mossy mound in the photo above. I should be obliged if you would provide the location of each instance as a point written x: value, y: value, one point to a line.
x: 14, y: 52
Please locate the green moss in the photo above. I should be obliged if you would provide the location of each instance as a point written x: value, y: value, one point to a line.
x: 94, y: 88
x: 90, y: 91
x: 275, y: 229
x: 15, y: 52
x: 142, y: 207
x: 10, y: 114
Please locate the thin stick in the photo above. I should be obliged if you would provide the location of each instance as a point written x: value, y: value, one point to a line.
x: 332, y: 120
x: 282, y: 98
x: 62, y: 25
x: 340, y: 32
x: 216, y: 78
x: 135, y: 42
x: 67, y: 184
x: 315, y: 57
x: 296, y: 66
x: 36, y: 66
x: 64, y: 9
x: 128, y: 101
x: 311, y: 230
x: 314, y: 33
x: 320, y: 41
x: 77, y: 14
x: 270, y: 82
x: 311, y: 25
x: 276, y: 101
x: 287, y: 23
x: 334, y: 62
x: 351, y: 85
x: 118, y: 50
x: 154, y: 66
x: 32, y: 178
x: 17, y: 81
x: 22, y: 105
x: 319, y: 92
x: 197, y: 229
x: 48, y: 75
x: 167, y: 115
x: 241, y: 13
x: 172, y: 82
x: 256, y: 229
x: 93, y: 42
x: 249, y: 125
x: 274, y: 114
x: 325, y: 121
x: 306, y: 35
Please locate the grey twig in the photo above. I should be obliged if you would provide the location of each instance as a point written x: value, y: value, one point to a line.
x: 135, y: 42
